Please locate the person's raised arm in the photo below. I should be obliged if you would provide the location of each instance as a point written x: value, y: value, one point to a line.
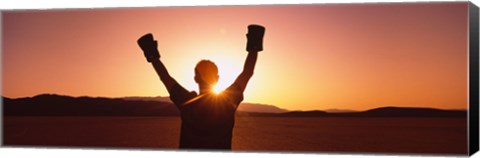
x: 162, y: 72
x: 254, y: 45
x: 247, y: 72
x: 149, y: 47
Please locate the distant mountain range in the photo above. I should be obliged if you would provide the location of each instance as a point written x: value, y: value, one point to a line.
x: 59, y: 105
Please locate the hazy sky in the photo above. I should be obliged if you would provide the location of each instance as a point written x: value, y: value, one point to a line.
x: 348, y: 56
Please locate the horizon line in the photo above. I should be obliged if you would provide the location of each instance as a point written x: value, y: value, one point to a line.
x: 289, y: 110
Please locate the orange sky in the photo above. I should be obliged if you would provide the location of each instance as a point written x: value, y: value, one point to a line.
x: 348, y: 56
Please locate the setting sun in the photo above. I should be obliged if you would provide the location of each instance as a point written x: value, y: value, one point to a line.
x: 229, y: 64
x: 217, y: 90
x: 228, y: 71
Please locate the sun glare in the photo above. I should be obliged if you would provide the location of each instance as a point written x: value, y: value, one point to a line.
x: 228, y: 71
x: 217, y: 89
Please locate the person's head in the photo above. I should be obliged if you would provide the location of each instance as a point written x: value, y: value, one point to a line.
x: 206, y: 73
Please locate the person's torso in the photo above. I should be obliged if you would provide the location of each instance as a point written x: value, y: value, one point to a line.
x: 207, y: 122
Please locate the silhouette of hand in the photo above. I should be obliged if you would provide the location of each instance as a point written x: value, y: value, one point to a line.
x: 255, y: 38
x: 149, y: 47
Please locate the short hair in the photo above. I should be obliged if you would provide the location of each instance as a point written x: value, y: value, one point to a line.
x: 207, y: 71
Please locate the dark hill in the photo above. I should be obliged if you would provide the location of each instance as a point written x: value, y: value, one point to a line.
x: 384, y: 112
x: 57, y: 105
x: 412, y: 112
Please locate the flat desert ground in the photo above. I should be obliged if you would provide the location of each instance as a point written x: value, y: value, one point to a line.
x: 283, y: 134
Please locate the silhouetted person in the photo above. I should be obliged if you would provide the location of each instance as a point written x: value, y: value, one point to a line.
x: 207, y: 118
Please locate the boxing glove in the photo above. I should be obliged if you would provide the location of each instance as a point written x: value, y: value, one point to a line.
x: 255, y: 38
x: 149, y: 47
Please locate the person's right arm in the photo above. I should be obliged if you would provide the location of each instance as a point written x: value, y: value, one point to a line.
x: 162, y: 72
x: 150, y: 50
x: 178, y: 94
